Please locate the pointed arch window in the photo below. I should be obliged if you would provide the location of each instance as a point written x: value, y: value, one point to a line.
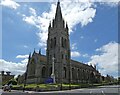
x: 54, y: 55
x: 64, y: 72
x: 32, y: 67
x: 66, y: 57
x: 54, y: 41
x: 43, y: 72
x: 73, y: 73
x: 51, y: 43
x: 50, y: 57
x: 62, y: 55
x: 65, y: 43
x: 62, y: 42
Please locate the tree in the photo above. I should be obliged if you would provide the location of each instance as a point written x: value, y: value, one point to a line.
x: 13, y: 82
x: 118, y: 80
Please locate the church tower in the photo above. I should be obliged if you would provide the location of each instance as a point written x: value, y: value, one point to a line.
x: 58, y: 46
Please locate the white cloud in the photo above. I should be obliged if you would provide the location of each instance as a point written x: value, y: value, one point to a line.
x: 82, y: 37
x: 14, y: 68
x: 110, y: 3
x: 113, y: 1
x: 95, y: 40
x: 85, y: 55
x: 22, y: 56
x: 107, y: 60
x: 32, y: 11
x: 25, y: 46
x: 10, y: 3
x: 25, y: 61
x: 29, y: 20
x: 75, y: 54
x: 33, y: 19
x: 74, y: 46
x: 82, y: 13
x: 74, y: 12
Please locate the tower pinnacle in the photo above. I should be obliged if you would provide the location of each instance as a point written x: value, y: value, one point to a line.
x: 66, y: 25
x: 30, y: 55
x: 50, y: 24
x: 34, y: 51
x: 40, y: 51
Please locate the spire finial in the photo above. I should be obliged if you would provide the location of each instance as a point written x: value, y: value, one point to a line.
x: 58, y: 1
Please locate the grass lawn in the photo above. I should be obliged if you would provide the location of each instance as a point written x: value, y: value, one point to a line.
x: 55, y: 86
x: 45, y: 85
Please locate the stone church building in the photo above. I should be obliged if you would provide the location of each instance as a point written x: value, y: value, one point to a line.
x: 66, y: 70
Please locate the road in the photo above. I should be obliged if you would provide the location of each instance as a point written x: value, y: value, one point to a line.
x: 102, y: 90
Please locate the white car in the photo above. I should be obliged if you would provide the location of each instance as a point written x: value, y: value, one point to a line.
x: 6, y: 88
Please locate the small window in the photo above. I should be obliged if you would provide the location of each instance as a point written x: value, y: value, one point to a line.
x: 65, y: 43
x: 62, y: 56
x: 54, y: 56
x: 64, y: 72
x: 51, y: 43
x: 50, y: 57
x: 66, y: 57
x: 54, y: 41
x: 62, y: 42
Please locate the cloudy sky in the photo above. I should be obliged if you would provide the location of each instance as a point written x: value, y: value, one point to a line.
x: 93, y: 28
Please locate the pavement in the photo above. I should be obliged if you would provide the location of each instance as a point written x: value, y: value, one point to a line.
x: 102, y: 90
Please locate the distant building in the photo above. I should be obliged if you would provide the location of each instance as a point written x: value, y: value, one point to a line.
x: 39, y: 66
x: 6, y: 77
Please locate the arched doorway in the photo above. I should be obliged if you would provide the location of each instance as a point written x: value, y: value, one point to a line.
x: 43, y: 72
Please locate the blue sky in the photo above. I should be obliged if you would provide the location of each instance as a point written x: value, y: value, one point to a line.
x: 93, y: 32
x: 101, y: 31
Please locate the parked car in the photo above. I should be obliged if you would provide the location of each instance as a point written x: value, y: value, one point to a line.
x: 6, y: 88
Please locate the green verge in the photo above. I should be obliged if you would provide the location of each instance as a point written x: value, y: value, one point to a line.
x: 51, y: 87
x: 45, y: 85
x: 54, y: 85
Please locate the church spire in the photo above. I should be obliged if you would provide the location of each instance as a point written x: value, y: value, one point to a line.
x: 58, y: 15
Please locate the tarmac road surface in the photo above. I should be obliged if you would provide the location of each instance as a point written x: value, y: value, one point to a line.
x: 102, y: 90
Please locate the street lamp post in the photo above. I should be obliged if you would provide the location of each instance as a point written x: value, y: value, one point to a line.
x: 53, y: 70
